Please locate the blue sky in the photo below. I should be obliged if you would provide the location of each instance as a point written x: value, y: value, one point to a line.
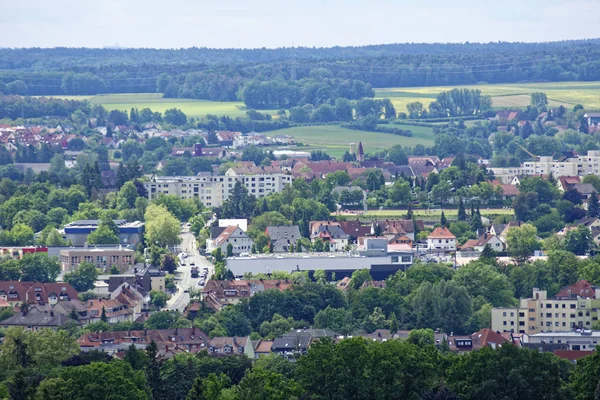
x: 279, y: 23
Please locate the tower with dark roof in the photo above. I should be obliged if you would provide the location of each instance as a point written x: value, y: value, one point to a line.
x: 360, y: 154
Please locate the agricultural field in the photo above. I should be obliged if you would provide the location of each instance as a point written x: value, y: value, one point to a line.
x: 335, y: 140
x: 155, y: 101
x: 504, y: 95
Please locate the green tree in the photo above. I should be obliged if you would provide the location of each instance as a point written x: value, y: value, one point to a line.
x: 158, y: 299
x: 583, y: 382
x: 593, y: 206
x: 114, y: 380
x: 83, y: 278
x: 359, y: 277
x: 162, y: 228
x: 262, y: 384
x: 421, y: 337
x: 38, y: 267
x: 521, y: 242
x: 209, y: 387
x: 126, y: 196
x: 462, y: 214
x: 483, y: 280
x: 106, y: 233
x: 336, y: 319
x: 169, y: 263
x: 443, y: 220
x: 540, y: 375
x: 579, y: 241
x: 230, y: 250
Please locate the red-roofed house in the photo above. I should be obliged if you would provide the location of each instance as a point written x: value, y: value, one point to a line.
x: 478, y: 340
x: 581, y: 288
x: 240, y: 241
x: 441, y: 239
x: 487, y: 238
x: 567, y: 182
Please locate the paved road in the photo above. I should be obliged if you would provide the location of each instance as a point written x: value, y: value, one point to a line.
x: 184, y: 278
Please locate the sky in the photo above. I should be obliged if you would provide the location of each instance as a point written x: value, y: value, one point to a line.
x: 281, y: 23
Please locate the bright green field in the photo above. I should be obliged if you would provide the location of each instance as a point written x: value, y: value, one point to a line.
x: 504, y: 95
x: 336, y: 141
x: 155, y: 101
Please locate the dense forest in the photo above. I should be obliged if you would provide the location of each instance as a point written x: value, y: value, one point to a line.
x: 222, y: 74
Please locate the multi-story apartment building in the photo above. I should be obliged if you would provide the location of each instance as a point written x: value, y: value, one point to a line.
x: 101, y: 257
x: 574, y: 307
x: 569, y: 165
x: 213, y: 190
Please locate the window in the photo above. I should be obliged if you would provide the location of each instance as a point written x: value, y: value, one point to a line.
x: 504, y: 314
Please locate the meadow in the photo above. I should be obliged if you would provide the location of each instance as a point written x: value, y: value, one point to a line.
x: 504, y: 95
x: 155, y: 101
x: 336, y: 140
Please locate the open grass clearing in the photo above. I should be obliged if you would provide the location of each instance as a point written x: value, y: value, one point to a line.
x: 336, y: 140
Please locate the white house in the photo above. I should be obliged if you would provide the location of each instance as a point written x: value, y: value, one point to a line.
x: 441, y: 239
x: 240, y: 241
x: 486, y: 239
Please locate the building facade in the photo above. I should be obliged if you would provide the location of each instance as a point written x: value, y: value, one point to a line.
x: 574, y: 307
x: 213, y: 190
x: 101, y: 257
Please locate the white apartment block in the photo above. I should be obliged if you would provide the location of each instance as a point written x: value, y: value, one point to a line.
x: 213, y: 190
x: 581, y: 166
x: 566, y: 311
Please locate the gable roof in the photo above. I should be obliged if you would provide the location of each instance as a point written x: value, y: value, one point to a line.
x: 581, y: 288
x: 30, y: 291
x: 282, y: 235
x: 225, y: 234
x: 38, y: 318
x: 441, y: 232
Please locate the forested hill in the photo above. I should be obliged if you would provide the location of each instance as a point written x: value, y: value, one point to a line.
x: 62, y: 58
x: 219, y: 74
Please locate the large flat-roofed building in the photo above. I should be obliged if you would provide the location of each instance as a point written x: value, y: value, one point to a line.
x: 339, y: 263
x: 213, y: 190
x: 101, y: 257
x: 130, y: 233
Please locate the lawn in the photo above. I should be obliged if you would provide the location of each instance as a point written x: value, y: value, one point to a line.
x: 336, y: 141
x: 504, y: 95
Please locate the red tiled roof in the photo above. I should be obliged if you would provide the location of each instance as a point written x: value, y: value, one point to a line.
x: 510, y: 190
x: 225, y: 234
x: 581, y: 288
x: 441, y: 233
x: 572, y: 355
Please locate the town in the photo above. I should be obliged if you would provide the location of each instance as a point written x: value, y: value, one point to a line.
x: 298, y: 224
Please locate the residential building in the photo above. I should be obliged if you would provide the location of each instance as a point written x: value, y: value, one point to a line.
x: 298, y: 341
x: 262, y: 348
x: 234, y: 235
x: 331, y: 233
x: 113, y: 310
x: 574, y: 307
x: 479, y: 244
x: 593, y: 118
x: 34, y: 320
x: 441, y: 239
x: 102, y: 257
x: 190, y: 340
x: 219, y: 294
x: 130, y: 233
x: 228, y: 346
x: 579, y: 339
x: 478, y: 340
x: 283, y: 238
x: 213, y: 190
x: 17, y: 293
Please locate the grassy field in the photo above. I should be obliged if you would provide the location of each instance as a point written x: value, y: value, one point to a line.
x: 155, y: 101
x: 504, y: 95
x: 335, y: 140
x: 428, y: 215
